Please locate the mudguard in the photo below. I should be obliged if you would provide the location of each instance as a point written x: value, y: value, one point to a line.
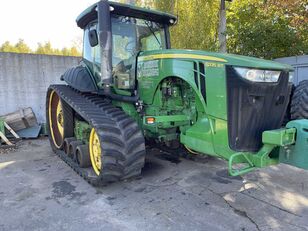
x: 79, y: 79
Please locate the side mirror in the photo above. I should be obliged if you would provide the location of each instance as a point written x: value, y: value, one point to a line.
x: 93, y: 39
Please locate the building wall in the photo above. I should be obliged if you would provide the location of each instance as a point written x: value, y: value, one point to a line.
x: 300, y: 64
x: 24, y: 79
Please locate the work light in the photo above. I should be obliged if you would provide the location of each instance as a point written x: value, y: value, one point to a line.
x: 257, y: 75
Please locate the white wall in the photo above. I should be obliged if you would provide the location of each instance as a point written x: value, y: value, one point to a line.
x: 24, y: 79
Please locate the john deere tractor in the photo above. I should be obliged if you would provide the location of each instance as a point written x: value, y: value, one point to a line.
x: 131, y: 88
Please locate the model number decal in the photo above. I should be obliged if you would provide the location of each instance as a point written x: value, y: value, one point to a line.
x: 218, y: 65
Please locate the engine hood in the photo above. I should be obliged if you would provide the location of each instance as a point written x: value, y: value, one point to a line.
x: 227, y: 59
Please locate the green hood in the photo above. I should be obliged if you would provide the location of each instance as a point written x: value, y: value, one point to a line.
x: 229, y: 59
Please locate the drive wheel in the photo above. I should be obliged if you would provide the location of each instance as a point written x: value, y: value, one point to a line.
x: 59, y: 120
x: 299, y: 104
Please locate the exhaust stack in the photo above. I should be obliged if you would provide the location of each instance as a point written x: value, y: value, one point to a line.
x: 105, y: 41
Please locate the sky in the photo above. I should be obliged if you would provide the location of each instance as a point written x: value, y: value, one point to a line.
x: 41, y: 21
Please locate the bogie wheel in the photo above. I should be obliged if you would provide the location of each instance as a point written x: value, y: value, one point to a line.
x: 72, y: 149
x: 66, y: 144
x: 299, y: 104
x: 59, y: 120
x: 83, y: 156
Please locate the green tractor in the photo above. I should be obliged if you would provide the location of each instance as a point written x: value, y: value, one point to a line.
x: 132, y: 88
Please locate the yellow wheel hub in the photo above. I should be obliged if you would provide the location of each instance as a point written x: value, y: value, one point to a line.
x: 95, y: 152
x: 56, y: 120
x: 60, y: 118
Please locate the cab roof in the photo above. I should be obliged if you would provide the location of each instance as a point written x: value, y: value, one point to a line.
x: 90, y: 14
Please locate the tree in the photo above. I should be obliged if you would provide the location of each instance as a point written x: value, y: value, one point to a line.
x: 222, y: 27
x: 131, y: 2
x: 44, y: 49
x: 74, y: 51
x: 22, y: 47
x: 7, y: 47
x: 267, y: 29
x: 78, y: 43
x: 197, y: 23
x: 65, y: 51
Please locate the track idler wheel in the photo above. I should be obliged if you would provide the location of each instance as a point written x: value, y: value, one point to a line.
x: 60, y: 120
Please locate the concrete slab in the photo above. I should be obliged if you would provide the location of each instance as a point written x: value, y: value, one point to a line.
x: 40, y: 192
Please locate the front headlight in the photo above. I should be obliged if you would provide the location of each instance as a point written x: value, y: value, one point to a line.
x: 291, y: 76
x: 257, y: 75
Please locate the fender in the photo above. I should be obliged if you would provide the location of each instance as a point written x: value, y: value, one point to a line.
x: 79, y: 79
x: 148, y: 85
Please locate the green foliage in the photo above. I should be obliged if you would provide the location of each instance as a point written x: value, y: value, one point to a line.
x: 197, y: 22
x: 22, y: 47
x: 197, y: 25
x: 7, y: 47
x: 267, y: 29
x: 46, y: 49
x: 261, y: 28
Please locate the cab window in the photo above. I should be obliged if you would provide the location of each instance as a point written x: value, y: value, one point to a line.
x: 91, y: 54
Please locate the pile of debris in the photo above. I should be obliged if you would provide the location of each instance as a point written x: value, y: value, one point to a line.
x: 17, y: 125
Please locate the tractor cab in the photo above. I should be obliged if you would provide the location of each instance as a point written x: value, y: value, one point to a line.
x: 129, y: 31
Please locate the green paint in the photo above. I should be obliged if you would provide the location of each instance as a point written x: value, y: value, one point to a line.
x: 281, y: 137
x: 252, y: 161
x: 204, y: 125
x: 2, y: 127
x: 279, y: 146
x: 185, y: 91
x: 297, y: 154
x: 82, y: 131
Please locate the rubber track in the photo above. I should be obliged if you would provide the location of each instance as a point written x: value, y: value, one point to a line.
x: 125, y: 154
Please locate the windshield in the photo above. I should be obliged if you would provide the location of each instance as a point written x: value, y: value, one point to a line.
x: 132, y: 35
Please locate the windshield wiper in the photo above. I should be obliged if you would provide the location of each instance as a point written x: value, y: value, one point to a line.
x: 150, y: 28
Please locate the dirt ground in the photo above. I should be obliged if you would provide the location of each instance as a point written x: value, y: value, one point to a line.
x: 40, y: 192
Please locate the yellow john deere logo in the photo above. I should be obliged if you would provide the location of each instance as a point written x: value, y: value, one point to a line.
x: 182, y: 56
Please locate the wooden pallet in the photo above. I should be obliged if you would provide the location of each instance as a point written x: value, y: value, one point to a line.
x: 3, y: 126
